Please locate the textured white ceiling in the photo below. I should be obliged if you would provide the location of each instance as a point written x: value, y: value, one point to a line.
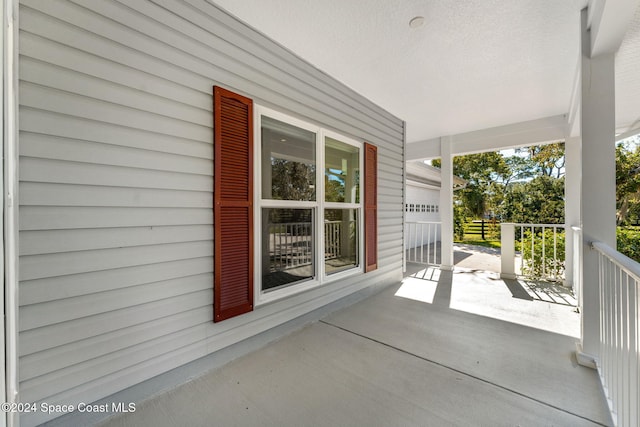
x: 474, y: 64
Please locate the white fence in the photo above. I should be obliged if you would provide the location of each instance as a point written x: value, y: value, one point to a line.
x: 542, y: 251
x: 619, y: 279
x: 421, y: 242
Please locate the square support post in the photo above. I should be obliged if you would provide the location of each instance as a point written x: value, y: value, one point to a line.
x: 598, y: 180
x: 572, y: 207
x: 507, y: 251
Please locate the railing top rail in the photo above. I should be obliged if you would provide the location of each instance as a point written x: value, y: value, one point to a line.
x: 519, y: 224
x: 423, y: 222
x: 631, y: 267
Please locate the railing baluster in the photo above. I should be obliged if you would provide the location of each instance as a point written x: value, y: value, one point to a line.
x: 522, y: 249
x: 428, y: 244
x: 624, y: 349
x: 435, y: 243
x: 416, y: 247
x: 634, y: 334
x: 555, y: 254
x: 533, y: 251
x: 422, y: 243
x: 280, y: 264
x: 544, y: 253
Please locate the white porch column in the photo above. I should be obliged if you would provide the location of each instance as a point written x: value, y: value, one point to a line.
x: 598, y: 178
x: 573, y: 193
x: 446, y: 203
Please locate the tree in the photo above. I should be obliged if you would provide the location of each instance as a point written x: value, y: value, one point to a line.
x: 527, y: 186
x: 538, y: 201
x: 482, y: 172
x: 627, y: 183
x: 548, y: 159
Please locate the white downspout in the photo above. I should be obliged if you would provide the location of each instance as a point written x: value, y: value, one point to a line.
x: 10, y: 200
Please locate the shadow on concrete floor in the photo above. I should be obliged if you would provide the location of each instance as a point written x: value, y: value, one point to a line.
x: 467, y: 256
x: 517, y: 290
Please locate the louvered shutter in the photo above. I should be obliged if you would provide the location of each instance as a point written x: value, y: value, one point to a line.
x: 370, y: 207
x: 233, y: 204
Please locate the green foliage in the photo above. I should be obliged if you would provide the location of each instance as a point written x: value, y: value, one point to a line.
x: 543, y: 264
x: 481, y: 171
x: 548, y: 159
x: 525, y: 187
x: 538, y: 201
x: 458, y: 222
x: 628, y: 242
x: 627, y: 183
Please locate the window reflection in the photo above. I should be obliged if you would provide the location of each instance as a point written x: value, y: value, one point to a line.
x: 341, y: 172
x: 288, y: 247
x: 288, y: 161
x: 340, y: 239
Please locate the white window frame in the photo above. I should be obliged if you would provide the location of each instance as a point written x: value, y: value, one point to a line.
x: 318, y: 206
x: 359, y: 207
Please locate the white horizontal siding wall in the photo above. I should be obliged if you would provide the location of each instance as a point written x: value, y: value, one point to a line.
x: 116, y: 168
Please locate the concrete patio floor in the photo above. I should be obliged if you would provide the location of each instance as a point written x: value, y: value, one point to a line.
x: 420, y: 353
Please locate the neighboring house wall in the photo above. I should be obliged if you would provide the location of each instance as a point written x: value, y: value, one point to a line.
x: 116, y: 228
x: 425, y: 203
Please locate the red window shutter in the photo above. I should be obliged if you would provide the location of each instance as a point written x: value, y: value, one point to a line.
x: 232, y: 204
x: 370, y: 207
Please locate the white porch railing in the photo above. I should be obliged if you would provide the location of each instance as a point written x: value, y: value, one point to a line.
x: 421, y: 242
x: 542, y: 251
x: 619, y: 282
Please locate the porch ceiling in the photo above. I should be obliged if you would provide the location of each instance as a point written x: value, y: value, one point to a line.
x: 474, y: 64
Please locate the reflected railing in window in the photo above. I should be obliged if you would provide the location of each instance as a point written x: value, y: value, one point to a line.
x: 288, y: 242
x: 336, y: 256
x: 291, y: 250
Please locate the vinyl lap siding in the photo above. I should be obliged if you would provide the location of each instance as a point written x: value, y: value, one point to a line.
x: 116, y: 163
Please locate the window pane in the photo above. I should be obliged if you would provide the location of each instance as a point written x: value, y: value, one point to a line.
x: 340, y: 239
x: 288, y: 161
x: 287, y: 247
x: 341, y: 173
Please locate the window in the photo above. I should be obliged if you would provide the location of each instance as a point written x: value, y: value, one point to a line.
x: 294, y: 205
x: 288, y: 193
x: 309, y: 204
x: 288, y: 161
x: 342, y: 203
